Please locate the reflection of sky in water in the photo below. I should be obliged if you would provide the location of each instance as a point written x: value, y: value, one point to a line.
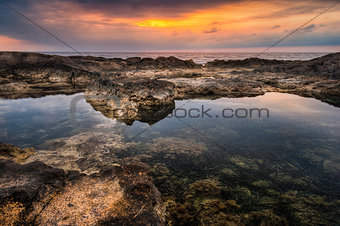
x: 295, y: 123
x: 31, y: 121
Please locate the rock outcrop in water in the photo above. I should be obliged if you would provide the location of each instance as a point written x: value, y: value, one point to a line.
x: 144, y: 100
x: 145, y: 86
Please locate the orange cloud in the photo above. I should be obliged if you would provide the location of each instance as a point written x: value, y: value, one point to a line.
x: 233, y: 24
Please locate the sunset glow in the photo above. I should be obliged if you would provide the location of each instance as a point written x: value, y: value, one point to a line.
x: 125, y: 27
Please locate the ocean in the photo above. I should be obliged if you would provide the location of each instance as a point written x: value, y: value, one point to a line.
x: 200, y: 57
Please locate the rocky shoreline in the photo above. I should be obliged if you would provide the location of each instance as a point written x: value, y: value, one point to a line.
x: 35, y: 75
x: 88, y: 179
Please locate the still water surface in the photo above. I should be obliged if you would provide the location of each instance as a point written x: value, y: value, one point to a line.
x: 296, y: 148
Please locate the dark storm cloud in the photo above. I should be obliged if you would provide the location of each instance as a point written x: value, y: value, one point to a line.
x: 139, y: 4
x: 137, y: 8
x: 13, y: 25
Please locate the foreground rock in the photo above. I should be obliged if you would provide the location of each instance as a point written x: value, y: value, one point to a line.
x: 8, y: 151
x: 37, y: 194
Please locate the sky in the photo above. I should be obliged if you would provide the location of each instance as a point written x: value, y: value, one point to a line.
x: 169, y: 25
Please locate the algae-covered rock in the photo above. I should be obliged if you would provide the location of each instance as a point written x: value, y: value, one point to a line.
x: 265, y: 218
x: 203, y: 211
x: 203, y: 205
x: 218, y: 212
x: 324, y: 158
x: 228, y: 172
x: 174, y: 147
x: 310, y: 209
x: 245, y: 163
x: 262, y: 184
x: 204, y: 188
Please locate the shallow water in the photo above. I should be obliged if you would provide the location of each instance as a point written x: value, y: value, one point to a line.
x: 293, y: 146
x: 285, y: 118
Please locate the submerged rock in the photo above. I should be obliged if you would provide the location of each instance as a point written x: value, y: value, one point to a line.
x: 176, y: 148
x: 264, y: 217
x: 85, y: 152
x: 204, y: 205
